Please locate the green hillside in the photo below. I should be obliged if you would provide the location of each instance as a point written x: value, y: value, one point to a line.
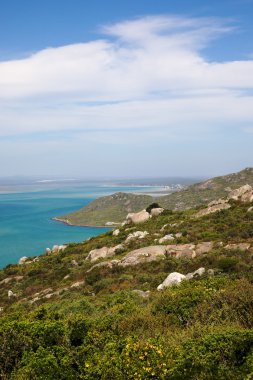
x: 66, y: 316
x: 114, y: 208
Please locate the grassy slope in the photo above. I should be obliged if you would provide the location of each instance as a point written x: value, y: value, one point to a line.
x: 114, y: 208
x: 202, y: 329
x: 110, y: 208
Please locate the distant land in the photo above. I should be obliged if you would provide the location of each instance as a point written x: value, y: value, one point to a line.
x: 113, y: 208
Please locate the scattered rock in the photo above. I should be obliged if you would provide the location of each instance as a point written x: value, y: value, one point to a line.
x: 163, y: 227
x: 11, y: 294
x: 173, y: 279
x: 166, y: 238
x: 136, y: 235
x: 77, y: 284
x: 104, y: 252
x: 66, y: 277
x: 22, y: 260
x: 179, y: 235
x: 250, y: 209
x: 1, y: 309
x: 119, y: 248
x: 9, y: 279
x: 100, y: 253
x: 240, y: 246
x: 210, y: 272
x: 138, y: 217
x: 74, y: 263
x: 176, y: 278
x: 203, y: 248
x: 48, y: 251
x: 199, y: 272
x: 156, y: 211
x: 116, y: 232
x: 55, y: 249
x: 58, y: 248
x: 108, y: 264
x: 181, y: 250
x: 35, y: 300
x: 143, y: 255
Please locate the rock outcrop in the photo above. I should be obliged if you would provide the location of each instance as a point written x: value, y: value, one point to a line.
x: 214, y: 206
x: 141, y: 255
x: 243, y: 194
x: 239, y: 246
x: 104, y: 252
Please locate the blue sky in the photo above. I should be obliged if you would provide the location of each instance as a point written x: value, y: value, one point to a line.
x: 134, y: 88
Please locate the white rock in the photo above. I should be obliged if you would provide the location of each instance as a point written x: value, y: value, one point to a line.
x: 55, y: 248
x: 48, y: 251
x: 199, y: 272
x: 62, y: 248
x: 166, y: 238
x: 74, y: 263
x: 76, y: 284
x: 11, y: 294
x: 118, y: 248
x: 22, y: 260
x: 104, y: 252
x: 66, y: 277
x: 238, y: 193
x: 136, y: 235
x: 173, y: 279
x: 156, y: 211
x: 143, y: 255
x: 250, y: 209
x: 164, y: 227
x: 116, y: 232
x: 1, y: 309
x: 138, y: 217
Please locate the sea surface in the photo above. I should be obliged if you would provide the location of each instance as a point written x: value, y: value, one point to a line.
x: 27, y: 209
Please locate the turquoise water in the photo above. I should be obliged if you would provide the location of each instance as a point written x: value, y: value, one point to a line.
x: 26, y: 225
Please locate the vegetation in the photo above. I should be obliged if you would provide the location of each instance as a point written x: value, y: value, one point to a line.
x: 103, y: 329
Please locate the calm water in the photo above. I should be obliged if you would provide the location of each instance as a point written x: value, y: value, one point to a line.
x: 26, y: 228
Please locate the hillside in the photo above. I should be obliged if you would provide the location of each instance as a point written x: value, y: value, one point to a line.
x: 113, y: 208
x: 110, y: 208
x: 93, y: 310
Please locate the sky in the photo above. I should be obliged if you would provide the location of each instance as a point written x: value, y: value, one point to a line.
x: 125, y: 89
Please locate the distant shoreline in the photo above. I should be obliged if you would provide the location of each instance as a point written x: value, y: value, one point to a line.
x: 68, y: 223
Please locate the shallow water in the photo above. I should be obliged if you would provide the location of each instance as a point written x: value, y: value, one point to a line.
x: 26, y: 225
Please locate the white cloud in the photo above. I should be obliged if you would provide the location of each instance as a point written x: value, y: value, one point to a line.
x: 148, y: 73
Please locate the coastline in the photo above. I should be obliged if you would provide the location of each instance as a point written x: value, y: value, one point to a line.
x: 68, y: 223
